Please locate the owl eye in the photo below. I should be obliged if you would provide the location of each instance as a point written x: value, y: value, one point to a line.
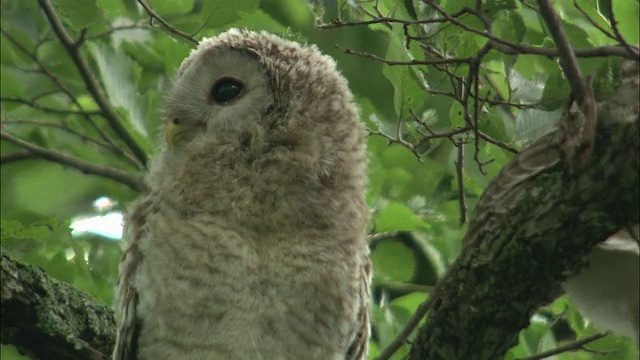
x: 226, y: 90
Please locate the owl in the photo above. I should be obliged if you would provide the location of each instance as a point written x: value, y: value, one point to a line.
x: 251, y: 242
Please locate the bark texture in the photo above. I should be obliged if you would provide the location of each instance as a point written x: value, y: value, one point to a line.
x: 48, y: 319
x: 533, y: 228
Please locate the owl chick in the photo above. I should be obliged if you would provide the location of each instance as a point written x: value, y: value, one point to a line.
x: 251, y: 243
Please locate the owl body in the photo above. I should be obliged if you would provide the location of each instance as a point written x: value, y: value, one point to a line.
x: 251, y: 243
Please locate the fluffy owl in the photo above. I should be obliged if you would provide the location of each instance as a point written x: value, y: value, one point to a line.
x: 251, y: 242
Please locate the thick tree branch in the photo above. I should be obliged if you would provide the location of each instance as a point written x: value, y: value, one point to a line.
x: 92, y: 84
x: 47, y: 319
x: 132, y: 181
x: 531, y: 230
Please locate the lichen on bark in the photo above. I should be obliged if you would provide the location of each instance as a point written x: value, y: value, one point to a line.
x: 48, y: 319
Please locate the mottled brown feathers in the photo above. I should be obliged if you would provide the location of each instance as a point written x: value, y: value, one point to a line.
x: 251, y: 243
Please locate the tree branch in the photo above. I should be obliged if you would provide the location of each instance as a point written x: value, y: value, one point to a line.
x: 574, y: 345
x: 17, y: 156
x: 48, y: 319
x: 568, y: 60
x: 531, y: 230
x: 71, y: 97
x: 132, y: 181
x: 92, y: 84
x: 63, y: 127
x: 169, y: 27
x: 37, y: 106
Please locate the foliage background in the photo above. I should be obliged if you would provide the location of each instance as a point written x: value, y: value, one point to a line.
x: 414, y: 190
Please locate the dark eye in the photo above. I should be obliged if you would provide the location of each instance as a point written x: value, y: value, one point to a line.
x: 226, y: 90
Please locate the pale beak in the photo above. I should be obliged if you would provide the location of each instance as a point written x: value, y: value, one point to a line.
x: 178, y: 130
x: 171, y: 130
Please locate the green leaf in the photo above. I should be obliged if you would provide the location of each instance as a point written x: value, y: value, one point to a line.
x: 510, y: 25
x: 410, y: 301
x: 407, y: 91
x: 496, y: 5
x: 387, y: 326
x: 456, y: 115
x: 171, y: 6
x: 626, y: 15
x: 10, y: 352
x: 79, y: 14
x: 393, y: 261
x: 9, y: 227
x: 578, y: 37
x: 397, y: 217
x: 260, y: 20
x: 10, y: 86
x: 117, y: 73
x: 403, y: 307
x: 604, y: 8
x: 33, y: 232
x: 556, y: 92
x: 219, y: 13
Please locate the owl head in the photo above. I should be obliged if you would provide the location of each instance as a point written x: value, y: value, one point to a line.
x: 251, y: 113
x: 242, y: 80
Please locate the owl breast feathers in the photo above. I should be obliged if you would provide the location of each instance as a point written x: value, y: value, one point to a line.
x: 251, y: 242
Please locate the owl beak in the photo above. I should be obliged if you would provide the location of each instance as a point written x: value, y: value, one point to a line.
x: 171, y: 130
x: 178, y: 130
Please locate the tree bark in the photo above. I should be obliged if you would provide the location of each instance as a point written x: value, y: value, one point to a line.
x: 47, y: 319
x: 533, y: 228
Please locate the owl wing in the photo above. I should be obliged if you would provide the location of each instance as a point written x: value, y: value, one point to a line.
x: 127, y: 338
x: 126, y: 295
x: 358, y: 350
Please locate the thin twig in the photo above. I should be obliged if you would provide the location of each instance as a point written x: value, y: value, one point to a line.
x: 62, y: 127
x: 18, y: 156
x: 616, y: 31
x: 574, y: 345
x: 397, y: 140
x: 393, y: 62
x: 592, y: 21
x: 414, y: 320
x: 37, y: 106
x: 72, y: 97
x: 113, y: 29
x: 377, y: 20
x: 600, y: 51
x: 132, y: 181
x: 504, y: 46
x: 164, y: 23
x: 462, y: 199
x: 404, y: 287
x: 91, y: 82
x: 495, y: 142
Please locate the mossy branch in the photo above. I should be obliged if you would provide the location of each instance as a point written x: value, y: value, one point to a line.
x: 47, y: 319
